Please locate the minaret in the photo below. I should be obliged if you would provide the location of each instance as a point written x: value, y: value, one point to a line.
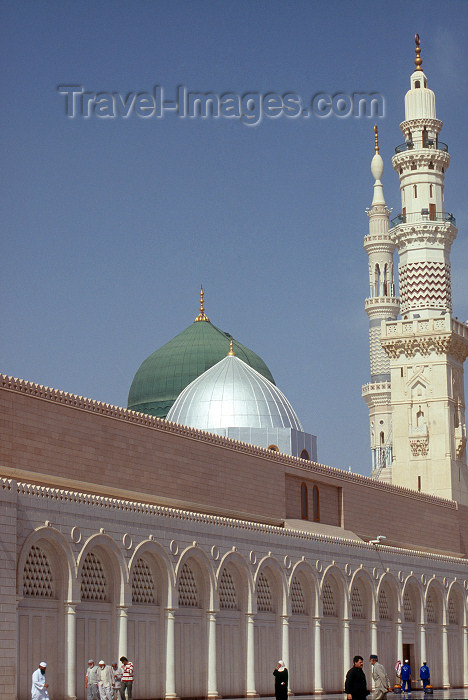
x: 380, y: 305
x: 427, y: 347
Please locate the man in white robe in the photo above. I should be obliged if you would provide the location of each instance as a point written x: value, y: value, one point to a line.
x: 105, y: 680
x: 39, y: 686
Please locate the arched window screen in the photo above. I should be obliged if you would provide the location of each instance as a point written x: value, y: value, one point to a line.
x: 304, y: 503
x: 316, y: 502
x: 305, y: 454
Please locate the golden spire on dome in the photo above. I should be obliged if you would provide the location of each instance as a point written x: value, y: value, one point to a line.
x: 231, y: 351
x: 418, y: 59
x: 376, y: 132
x: 202, y: 315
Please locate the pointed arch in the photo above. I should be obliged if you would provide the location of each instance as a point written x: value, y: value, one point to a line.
x: 61, y: 552
x: 205, y: 572
x: 114, y: 559
x: 276, y: 572
x: 244, y: 579
x: 163, y: 565
x: 362, y: 578
x: 340, y: 590
x: 307, y: 573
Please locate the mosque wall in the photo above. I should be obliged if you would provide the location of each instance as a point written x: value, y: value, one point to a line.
x: 65, y: 440
x: 215, y: 600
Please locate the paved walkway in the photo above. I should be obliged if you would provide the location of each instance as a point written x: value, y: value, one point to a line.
x: 455, y: 694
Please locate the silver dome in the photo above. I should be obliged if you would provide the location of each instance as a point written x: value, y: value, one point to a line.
x: 233, y: 394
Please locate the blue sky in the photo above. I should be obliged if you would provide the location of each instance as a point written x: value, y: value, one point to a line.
x: 111, y: 225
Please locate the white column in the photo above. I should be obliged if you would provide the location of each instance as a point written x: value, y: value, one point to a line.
x: 399, y: 641
x: 422, y: 642
x: 445, y: 660
x: 374, y: 646
x: 122, y: 630
x: 170, y: 655
x: 347, y: 663
x: 374, y: 637
x: 70, y: 658
x: 285, y: 647
x: 212, y: 682
x: 250, y: 690
x: 465, y: 656
x: 317, y: 657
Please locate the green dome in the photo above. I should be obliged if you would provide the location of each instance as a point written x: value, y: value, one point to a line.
x: 165, y: 373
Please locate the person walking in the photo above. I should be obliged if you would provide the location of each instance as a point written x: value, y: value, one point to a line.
x: 406, y: 677
x: 117, y: 684
x: 381, y: 679
x: 127, y: 678
x: 281, y: 681
x: 425, y: 675
x: 105, y: 680
x: 39, y: 687
x: 91, y: 681
x: 398, y: 671
x: 356, y: 683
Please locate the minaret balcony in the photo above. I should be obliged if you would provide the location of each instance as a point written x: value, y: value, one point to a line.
x: 422, y: 217
x: 385, y: 305
x: 429, y: 143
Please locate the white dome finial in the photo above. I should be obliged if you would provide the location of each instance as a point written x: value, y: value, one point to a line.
x: 377, y: 168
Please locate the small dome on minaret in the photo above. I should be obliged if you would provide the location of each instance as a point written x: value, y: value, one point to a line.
x: 419, y: 100
x: 377, y: 168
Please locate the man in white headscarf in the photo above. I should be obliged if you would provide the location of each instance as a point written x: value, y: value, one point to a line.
x: 39, y: 686
x: 105, y: 680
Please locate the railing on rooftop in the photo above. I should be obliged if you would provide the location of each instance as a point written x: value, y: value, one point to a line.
x: 430, y: 143
x: 423, y: 215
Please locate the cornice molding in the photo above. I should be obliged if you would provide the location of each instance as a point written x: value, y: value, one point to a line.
x: 44, y: 493
x: 423, y: 233
x: 420, y: 123
x: 447, y: 344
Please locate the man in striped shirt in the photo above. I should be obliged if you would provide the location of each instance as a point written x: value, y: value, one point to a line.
x: 127, y: 678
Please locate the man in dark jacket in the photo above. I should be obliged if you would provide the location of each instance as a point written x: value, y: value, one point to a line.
x: 356, y: 684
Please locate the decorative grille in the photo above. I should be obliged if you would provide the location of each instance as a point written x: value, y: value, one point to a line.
x: 408, y: 608
x: 188, y: 591
x: 356, y: 603
x: 227, y: 592
x: 329, y: 604
x: 430, y: 610
x: 93, y: 579
x: 264, y: 597
x: 452, y: 612
x: 297, y: 598
x: 143, y: 588
x: 384, y: 610
x: 37, y: 576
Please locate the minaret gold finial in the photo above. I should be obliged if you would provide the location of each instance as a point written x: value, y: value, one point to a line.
x: 376, y: 132
x: 202, y: 315
x: 418, y: 59
x: 231, y: 351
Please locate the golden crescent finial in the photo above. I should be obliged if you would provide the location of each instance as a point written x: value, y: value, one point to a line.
x: 202, y: 315
x: 231, y: 351
x: 418, y: 59
x: 376, y: 132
